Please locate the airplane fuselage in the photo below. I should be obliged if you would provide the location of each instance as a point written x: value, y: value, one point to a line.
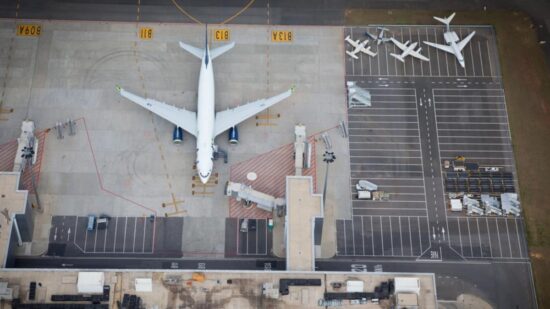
x: 205, y: 119
x: 458, y: 54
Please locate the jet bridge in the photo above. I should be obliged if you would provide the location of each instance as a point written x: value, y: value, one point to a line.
x: 242, y: 192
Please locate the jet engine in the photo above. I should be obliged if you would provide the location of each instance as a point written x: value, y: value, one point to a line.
x: 177, y: 135
x: 233, y: 135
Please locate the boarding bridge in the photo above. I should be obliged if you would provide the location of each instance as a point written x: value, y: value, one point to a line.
x: 26, y: 139
x: 358, y: 97
x: 302, y: 150
x: 242, y: 192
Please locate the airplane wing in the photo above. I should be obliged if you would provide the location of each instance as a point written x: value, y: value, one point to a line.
x: 418, y: 55
x: 370, y: 36
x: 446, y: 48
x: 368, y: 52
x: 398, y: 44
x: 231, y: 117
x: 181, y: 117
x: 352, y: 42
x: 465, y: 41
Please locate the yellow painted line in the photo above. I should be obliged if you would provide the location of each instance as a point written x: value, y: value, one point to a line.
x: 185, y: 12
x: 239, y: 12
x: 181, y: 9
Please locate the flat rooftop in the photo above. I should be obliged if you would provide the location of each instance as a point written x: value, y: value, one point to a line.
x: 175, y: 289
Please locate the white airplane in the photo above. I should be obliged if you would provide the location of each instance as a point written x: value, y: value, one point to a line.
x: 359, y: 47
x: 379, y: 38
x: 407, y: 49
x: 206, y: 124
x: 454, y: 45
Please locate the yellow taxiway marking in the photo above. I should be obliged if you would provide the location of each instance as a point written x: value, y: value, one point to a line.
x: 182, y: 10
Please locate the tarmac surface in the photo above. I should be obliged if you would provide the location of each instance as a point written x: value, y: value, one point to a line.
x: 423, y: 113
x: 460, y: 266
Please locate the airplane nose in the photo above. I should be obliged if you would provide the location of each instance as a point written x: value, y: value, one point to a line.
x: 204, y: 180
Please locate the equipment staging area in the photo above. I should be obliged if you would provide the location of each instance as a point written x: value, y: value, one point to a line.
x: 118, y: 161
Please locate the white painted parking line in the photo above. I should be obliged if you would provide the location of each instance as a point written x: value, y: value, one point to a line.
x: 372, y: 236
x: 489, y: 234
x: 472, y: 150
x: 381, y: 234
x: 460, y: 237
x: 95, y: 239
x: 345, y: 239
x: 105, y: 239
x: 382, y: 135
x: 363, y: 234
x: 489, y: 56
x: 509, y: 241
x: 386, y: 143
x: 135, y: 232
x: 391, y: 238
x: 125, y: 229
x: 470, y: 237
x: 519, y: 241
x: 498, y: 235
x: 116, y: 231
x: 144, y: 234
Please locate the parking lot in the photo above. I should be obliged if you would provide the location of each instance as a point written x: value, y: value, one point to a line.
x: 254, y: 242
x: 474, y: 123
x: 422, y: 114
x: 479, y: 53
x: 385, y: 149
x: 122, y: 235
x: 488, y: 237
x: 391, y: 236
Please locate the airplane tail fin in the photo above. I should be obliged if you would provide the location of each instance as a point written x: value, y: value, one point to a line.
x: 212, y: 54
x: 445, y: 20
x: 352, y: 55
x: 398, y: 57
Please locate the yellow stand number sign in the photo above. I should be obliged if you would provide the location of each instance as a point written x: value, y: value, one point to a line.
x: 145, y: 33
x: 28, y: 30
x: 281, y: 36
x: 221, y: 35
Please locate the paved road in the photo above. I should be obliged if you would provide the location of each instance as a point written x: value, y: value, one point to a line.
x: 504, y: 285
x: 148, y: 263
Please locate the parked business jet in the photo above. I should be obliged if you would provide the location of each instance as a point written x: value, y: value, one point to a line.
x: 205, y: 124
x: 358, y: 47
x: 407, y: 49
x: 379, y: 38
x: 454, y: 45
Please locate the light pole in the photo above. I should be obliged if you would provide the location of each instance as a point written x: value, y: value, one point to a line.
x: 328, y: 157
x: 28, y: 154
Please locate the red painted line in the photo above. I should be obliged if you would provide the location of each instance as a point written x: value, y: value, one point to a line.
x: 99, y: 175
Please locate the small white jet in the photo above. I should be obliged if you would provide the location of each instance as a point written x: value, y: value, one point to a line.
x: 407, y: 50
x: 379, y: 38
x: 454, y: 45
x: 358, y: 47
x: 205, y: 124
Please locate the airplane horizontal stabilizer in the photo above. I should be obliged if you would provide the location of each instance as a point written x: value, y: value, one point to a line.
x: 197, y: 52
x: 218, y: 51
x: 398, y: 57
